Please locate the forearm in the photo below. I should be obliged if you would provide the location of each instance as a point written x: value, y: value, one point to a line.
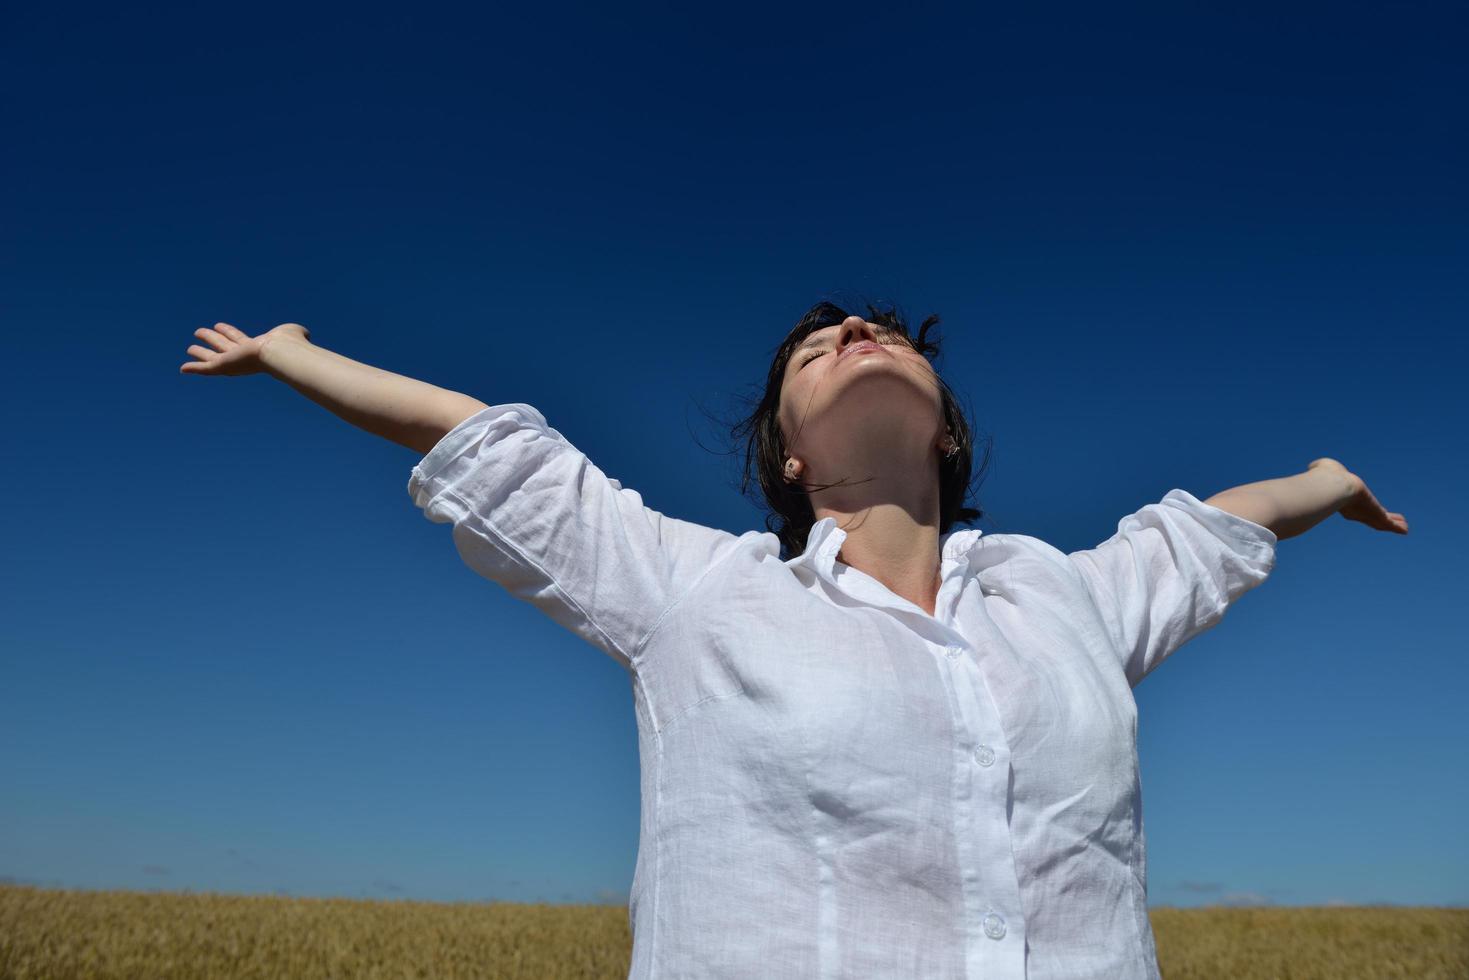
x: 400, y: 409
x: 1289, y: 505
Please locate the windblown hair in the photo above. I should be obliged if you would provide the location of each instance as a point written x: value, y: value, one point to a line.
x: 790, y: 513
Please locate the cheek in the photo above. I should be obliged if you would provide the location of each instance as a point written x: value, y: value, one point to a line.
x: 791, y: 398
x: 788, y: 391
x: 783, y: 413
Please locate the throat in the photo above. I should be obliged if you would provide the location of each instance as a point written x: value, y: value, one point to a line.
x: 926, y: 601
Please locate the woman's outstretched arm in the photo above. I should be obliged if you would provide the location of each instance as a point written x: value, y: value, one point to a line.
x: 400, y: 409
x: 1293, y: 505
x: 529, y: 510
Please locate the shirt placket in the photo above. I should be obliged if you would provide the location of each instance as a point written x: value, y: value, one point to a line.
x: 994, y: 933
x: 996, y: 924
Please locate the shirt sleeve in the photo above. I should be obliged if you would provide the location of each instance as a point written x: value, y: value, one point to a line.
x: 533, y: 514
x: 1171, y: 572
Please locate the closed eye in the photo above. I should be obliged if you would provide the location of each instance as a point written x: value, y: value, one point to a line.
x: 885, y: 343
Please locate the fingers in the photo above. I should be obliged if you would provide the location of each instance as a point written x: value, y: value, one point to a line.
x: 1391, y: 521
x: 204, y: 355
x: 217, y: 340
x: 223, y: 339
x: 233, y: 333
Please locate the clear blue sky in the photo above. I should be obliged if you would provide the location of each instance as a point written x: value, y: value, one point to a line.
x: 1172, y: 248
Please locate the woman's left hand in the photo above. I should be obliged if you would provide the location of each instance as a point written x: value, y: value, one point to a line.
x: 1363, y: 506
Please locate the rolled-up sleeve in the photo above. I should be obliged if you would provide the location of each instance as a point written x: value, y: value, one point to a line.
x: 1171, y: 572
x: 533, y: 514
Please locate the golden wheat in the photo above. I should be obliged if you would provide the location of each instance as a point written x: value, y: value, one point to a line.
x: 69, y: 935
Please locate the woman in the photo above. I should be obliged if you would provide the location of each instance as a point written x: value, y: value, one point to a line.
x: 872, y: 745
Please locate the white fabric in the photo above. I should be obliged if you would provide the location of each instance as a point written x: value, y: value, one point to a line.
x: 834, y: 782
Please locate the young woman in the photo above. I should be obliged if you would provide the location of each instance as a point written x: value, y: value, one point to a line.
x: 872, y: 744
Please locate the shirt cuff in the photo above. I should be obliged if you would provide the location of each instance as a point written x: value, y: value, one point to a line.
x: 1255, y: 540
x: 457, y: 439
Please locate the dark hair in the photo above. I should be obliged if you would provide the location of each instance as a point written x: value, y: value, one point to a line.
x: 790, y: 512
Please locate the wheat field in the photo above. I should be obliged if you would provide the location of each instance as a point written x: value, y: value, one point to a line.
x: 53, y: 934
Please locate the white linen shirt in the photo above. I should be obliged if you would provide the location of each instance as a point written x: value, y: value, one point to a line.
x: 834, y: 782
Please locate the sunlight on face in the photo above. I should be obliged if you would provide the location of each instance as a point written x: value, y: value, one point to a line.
x: 824, y: 367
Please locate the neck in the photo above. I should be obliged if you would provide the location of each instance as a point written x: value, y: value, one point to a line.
x: 892, y: 534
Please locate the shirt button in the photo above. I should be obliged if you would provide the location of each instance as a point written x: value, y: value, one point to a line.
x: 994, y: 925
x: 954, y: 653
x: 984, y: 755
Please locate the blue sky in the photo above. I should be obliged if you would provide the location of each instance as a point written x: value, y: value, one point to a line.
x: 1172, y: 247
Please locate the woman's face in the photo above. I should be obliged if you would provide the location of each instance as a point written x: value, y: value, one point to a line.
x: 839, y: 400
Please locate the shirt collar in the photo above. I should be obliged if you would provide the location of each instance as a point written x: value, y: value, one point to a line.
x: 825, y: 539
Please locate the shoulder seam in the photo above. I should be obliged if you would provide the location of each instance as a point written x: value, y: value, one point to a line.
x: 505, y: 544
x: 663, y: 616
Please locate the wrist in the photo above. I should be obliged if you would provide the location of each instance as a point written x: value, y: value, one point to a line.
x: 1341, y: 482
x: 272, y: 352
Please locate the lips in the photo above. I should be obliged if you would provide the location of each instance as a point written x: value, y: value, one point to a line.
x: 864, y: 345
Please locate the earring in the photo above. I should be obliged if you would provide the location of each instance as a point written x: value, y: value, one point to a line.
x: 790, y: 468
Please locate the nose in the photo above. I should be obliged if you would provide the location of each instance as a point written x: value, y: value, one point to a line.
x: 854, y: 330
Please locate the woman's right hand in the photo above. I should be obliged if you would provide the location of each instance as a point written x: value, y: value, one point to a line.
x: 235, y: 352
